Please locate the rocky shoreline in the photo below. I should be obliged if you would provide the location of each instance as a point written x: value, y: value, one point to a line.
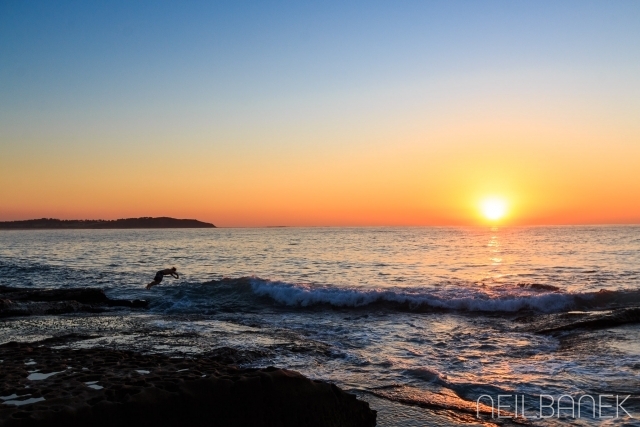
x: 48, y: 383
x: 104, y: 370
x: 29, y: 302
x: 43, y: 385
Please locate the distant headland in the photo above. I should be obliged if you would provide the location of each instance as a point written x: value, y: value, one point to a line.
x: 144, y: 222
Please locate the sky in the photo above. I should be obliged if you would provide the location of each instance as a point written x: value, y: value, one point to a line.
x: 324, y: 113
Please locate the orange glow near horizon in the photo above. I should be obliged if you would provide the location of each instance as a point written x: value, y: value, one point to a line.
x: 407, y: 183
x: 433, y: 173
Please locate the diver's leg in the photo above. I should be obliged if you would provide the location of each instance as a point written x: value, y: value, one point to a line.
x: 150, y: 285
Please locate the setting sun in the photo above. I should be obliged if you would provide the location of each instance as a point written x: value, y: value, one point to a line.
x: 494, y: 209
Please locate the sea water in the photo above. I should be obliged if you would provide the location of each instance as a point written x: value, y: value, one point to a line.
x: 420, y: 322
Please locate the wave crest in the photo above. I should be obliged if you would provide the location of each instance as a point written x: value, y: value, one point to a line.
x: 252, y: 293
x: 413, y: 299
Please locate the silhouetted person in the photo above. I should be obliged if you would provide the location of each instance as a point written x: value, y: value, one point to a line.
x: 160, y: 275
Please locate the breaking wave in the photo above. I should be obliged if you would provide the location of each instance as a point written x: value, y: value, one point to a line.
x: 251, y: 293
x: 413, y: 299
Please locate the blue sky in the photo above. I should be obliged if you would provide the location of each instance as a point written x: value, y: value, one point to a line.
x: 73, y: 54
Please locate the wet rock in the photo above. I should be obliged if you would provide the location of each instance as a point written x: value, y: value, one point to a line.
x: 28, y: 302
x: 539, y: 287
x: 9, y: 308
x: 548, y: 324
x: 231, y: 356
x: 102, y: 387
x: 608, y: 299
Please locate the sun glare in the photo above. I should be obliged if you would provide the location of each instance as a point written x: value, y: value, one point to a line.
x: 494, y: 209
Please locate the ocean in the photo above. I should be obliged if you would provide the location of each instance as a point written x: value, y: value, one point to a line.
x: 420, y: 322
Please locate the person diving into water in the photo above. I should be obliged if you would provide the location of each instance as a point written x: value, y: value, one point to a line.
x: 160, y: 275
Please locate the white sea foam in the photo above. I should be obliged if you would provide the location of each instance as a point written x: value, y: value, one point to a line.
x: 459, y: 298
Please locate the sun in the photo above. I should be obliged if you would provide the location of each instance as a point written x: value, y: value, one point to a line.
x: 494, y: 208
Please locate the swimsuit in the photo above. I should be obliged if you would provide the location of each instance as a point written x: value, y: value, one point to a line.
x: 159, y: 276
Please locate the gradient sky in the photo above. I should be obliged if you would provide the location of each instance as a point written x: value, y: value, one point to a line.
x: 299, y: 113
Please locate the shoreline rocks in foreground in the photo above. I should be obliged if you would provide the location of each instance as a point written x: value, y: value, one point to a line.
x: 44, y: 386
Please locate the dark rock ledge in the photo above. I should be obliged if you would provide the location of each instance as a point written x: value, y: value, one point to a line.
x: 579, y: 320
x: 101, y: 387
x: 28, y: 302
